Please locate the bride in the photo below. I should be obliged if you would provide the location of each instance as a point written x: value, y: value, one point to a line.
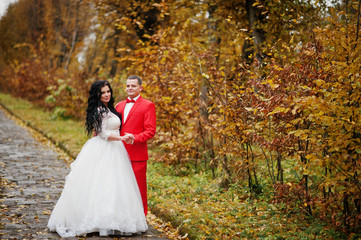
x: 100, y: 192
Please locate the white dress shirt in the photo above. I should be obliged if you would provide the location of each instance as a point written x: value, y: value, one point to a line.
x: 127, y: 108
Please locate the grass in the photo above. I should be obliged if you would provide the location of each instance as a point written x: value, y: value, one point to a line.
x: 66, y: 133
x: 198, y: 206
x: 194, y: 202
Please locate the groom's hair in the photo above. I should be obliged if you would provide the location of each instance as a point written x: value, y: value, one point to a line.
x: 136, y: 77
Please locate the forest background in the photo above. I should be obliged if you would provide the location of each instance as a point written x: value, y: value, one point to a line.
x: 261, y: 98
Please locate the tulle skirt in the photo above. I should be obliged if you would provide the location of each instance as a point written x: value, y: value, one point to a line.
x: 100, y: 193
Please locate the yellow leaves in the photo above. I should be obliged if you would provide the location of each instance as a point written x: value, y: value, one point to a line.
x: 254, y: 110
x: 140, y: 25
x: 309, y: 53
x: 240, y: 107
x: 272, y: 84
x: 205, y: 75
x: 294, y: 110
x: 297, y: 133
x: 320, y: 82
x: 345, y: 45
x: 279, y: 109
x: 259, y: 125
x: 46, y: 212
x: 304, y: 136
x: 167, y: 99
x: 343, y: 30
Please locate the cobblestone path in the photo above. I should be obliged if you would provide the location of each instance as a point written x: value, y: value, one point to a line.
x: 32, y: 176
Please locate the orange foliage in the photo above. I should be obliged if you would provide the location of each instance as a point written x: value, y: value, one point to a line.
x: 263, y: 92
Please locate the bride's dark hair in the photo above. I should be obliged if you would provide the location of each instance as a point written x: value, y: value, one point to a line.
x: 96, y: 109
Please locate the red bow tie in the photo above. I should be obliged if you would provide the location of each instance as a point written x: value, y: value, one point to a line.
x: 130, y: 100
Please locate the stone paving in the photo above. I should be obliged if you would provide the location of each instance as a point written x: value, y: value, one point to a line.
x: 32, y: 176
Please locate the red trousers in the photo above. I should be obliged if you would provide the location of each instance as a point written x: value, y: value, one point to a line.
x: 140, y: 172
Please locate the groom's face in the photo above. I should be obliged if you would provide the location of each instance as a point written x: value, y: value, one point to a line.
x: 133, y: 88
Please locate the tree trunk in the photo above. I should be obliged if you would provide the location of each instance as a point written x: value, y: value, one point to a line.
x: 75, y: 34
x: 253, y: 17
x: 116, y: 54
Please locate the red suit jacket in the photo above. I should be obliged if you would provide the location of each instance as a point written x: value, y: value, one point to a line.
x: 141, y: 122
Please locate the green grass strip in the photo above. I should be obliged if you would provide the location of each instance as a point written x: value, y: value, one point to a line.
x: 68, y: 134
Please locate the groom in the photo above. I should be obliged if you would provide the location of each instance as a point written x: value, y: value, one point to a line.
x: 139, y: 123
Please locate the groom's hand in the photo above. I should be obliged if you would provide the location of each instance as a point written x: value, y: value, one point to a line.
x: 129, y: 138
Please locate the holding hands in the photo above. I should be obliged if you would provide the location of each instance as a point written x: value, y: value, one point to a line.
x: 128, y: 138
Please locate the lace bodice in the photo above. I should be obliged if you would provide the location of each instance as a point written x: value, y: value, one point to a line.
x: 110, y: 125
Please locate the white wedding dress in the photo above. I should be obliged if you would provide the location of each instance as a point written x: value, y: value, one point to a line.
x: 100, y: 192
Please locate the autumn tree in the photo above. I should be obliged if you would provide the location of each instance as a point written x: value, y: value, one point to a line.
x: 261, y: 93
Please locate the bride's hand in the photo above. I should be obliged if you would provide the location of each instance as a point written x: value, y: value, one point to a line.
x: 128, y: 138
